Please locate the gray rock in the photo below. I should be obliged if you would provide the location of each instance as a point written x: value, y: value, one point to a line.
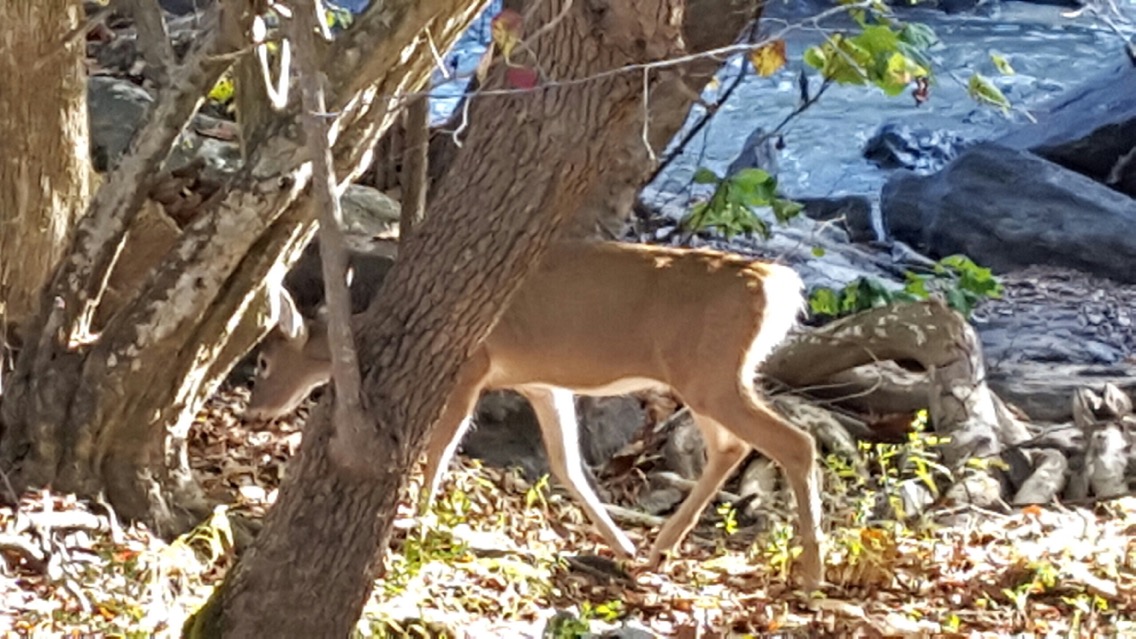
x: 1038, y: 347
x: 853, y: 211
x: 900, y: 146
x: 117, y: 108
x: 1009, y: 209
x: 759, y: 151
x: 506, y: 433
x: 1088, y: 129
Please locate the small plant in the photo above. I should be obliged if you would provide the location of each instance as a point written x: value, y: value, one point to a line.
x: 778, y: 551
x: 884, y: 53
x: 956, y: 279
x: 731, y: 208
x: 729, y: 515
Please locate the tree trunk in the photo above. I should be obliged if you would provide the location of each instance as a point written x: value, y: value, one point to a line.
x: 110, y: 414
x: 707, y: 25
x: 44, y: 169
x: 524, y: 169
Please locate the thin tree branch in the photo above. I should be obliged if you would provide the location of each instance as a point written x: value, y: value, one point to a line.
x: 350, y: 443
x: 153, y: 39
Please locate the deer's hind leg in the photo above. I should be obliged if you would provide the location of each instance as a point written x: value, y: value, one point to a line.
x: 724, y: 452
x: 794, y: 450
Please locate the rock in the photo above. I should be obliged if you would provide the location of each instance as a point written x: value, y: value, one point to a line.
x: 1044, y: 392
x: 183, y: 7
x: 900, y: 146
x: 305, y: 280
x: 1089, y: 129
x: 853, y: 211
x: 116, y: 109
x: 505, y: 434
x: 759, y: 151
x: 1039, y: 350
x: 684, y: 451
x: 660, y: 499
x: 369, y: 212
x: 1009, y: 209
x: 607, y: 424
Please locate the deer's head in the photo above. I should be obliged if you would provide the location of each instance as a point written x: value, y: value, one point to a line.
x: 294, y: 360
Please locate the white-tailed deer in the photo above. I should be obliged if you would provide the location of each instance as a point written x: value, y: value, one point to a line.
x: 607, y: 319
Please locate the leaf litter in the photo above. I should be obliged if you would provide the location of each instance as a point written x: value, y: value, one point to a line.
x: 499, y: 556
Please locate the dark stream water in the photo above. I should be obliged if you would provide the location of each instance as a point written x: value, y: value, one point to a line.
x: 822, y: 155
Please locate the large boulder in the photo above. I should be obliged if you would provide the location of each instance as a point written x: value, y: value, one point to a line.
x: 1009, y: 209
x: 1090, y: 129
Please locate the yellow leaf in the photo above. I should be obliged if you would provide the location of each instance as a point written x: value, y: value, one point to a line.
x: 1002, y: 64
x: 768, y: 59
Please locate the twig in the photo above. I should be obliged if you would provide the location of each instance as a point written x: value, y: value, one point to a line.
x: 674, y: 480
x: 629, y: 516
x: 416, y: 144
x: 349, y: 446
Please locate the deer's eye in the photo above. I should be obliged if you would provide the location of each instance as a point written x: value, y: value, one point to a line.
x: 262, y: 365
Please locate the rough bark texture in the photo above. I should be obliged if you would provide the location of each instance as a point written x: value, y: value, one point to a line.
x: 44, y: 166
x: 110, y: 415
x: 311, y: 568
x: 706, y: 25
x: 414, y: 180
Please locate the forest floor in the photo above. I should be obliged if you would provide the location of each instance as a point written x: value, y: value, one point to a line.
x: 502, y: 557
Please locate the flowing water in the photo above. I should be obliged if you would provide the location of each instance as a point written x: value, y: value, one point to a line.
x: 1049, y: 53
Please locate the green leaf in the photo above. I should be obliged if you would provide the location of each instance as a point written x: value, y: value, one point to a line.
x: 815, y: 57
x: 957, y: 301
x: 705, y: 176
x: 983, y: 91
x: 818, y: 251
x: 824, y: 301
x: 785, y: 210
x: 751, y: 178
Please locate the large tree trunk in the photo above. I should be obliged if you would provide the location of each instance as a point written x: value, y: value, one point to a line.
x: 525, y: 167
x: 89, y: 414
x: 707, y: 25
x: 44, y: 168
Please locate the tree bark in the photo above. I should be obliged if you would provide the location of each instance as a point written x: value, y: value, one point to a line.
x: 44, y: 169
x: 527, y: 164
x: 110, y: 414
x: 706, y: 25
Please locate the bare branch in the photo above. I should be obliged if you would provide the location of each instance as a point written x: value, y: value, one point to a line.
x: 101, y: 230
x: 415, y: 182
x: 153, y: 39
x: 350, y: 443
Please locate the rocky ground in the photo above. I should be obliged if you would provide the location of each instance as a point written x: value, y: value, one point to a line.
x: 1055, y: 330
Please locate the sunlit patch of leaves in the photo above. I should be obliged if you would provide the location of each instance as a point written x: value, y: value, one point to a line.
x: 490, y: 559
x: 885, y: 52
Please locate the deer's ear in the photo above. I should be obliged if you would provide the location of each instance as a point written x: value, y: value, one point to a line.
x: 287, y: 317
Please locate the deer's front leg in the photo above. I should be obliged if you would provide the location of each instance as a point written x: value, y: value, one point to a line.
x: 556, y: 412
x: 451, y: 427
